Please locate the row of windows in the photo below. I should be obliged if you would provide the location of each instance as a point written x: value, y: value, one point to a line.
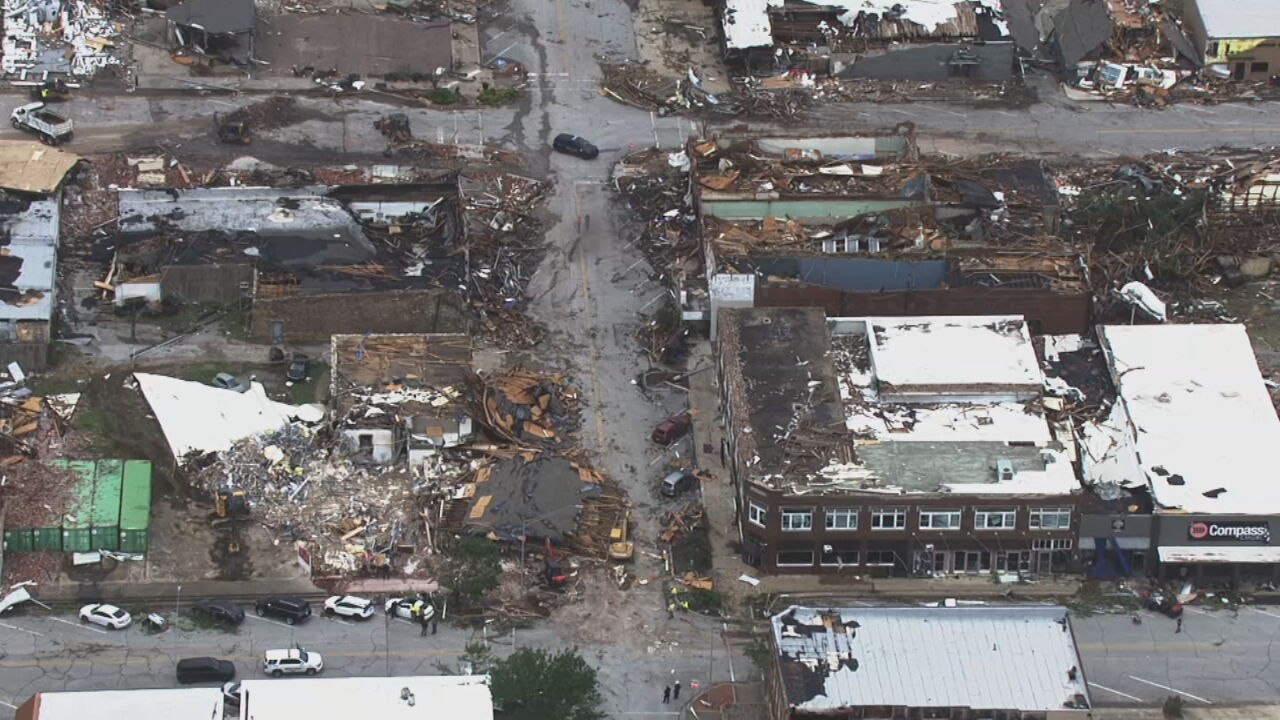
x: 984, y: 518
x: 844, y: 554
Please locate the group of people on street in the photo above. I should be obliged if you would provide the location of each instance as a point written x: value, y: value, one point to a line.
x: 668, y: 695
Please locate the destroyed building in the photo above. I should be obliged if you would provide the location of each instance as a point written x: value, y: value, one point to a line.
x: 28, y: 284
x: 1236, y: 38
x: 399, y: 397
x: 221, y: 28
x: 44, y: 38
x: 852, y: 450
x: 1184, y: 458
x: 850, y: 663
x: 311, y: 261
x: 859, y: 225
x: 926, y: 40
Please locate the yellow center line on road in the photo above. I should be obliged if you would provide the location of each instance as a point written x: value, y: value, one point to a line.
x: 595, y: 354
x: 134, y: 657
x: 1187, y: 131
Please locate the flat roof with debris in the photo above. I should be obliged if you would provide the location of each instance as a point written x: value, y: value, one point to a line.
x: 215, y: 17
x: 33, y: 167
x: 324, y: 230
x: 1241, y: 19
x: 812, y: 412
x: 1196, y: 420
x: 1012, y: 658
x: 406, y: 371
x: 540, y: 499
x: 457, y: 697
x: 28, y: 258
x: 973, y: 356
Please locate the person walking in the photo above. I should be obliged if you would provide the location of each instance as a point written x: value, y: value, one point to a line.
x: 1178, y: 627
x: 426, y: 623
x: 666, y: 695
x: 435, y: 622
x: 676, y: 695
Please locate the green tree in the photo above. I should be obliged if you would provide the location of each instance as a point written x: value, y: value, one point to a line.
x: 532, y: 684
x: 475, y: 569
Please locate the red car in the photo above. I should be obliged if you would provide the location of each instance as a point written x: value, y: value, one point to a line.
x: 672, y: 429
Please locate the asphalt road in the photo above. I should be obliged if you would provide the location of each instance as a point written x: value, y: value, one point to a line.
x: 1221, y: 657
x: 42, y: 652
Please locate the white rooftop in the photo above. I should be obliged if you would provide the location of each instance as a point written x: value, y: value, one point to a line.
x: 1193, y: 415
x: 1240, y: 18
x: 747, y: 25
x: 985, y: 658
x: 434, y: 697
x: 199, y: 417
x: 969, y: 355
x: 180, y: 704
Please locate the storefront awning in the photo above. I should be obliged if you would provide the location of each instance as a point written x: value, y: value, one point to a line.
x: 1233, y: 554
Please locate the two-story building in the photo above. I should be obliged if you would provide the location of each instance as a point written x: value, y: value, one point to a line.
x: 905, y: 445
x: 1239, y: 38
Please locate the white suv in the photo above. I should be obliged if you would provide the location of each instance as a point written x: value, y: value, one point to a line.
x: 349, y: 606
x: 281, y: 662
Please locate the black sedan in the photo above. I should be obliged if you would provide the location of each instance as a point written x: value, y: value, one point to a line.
x: 220, y: 610
x: 576, y: 146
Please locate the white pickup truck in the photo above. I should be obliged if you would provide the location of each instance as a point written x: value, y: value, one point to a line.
x: 52, y: 128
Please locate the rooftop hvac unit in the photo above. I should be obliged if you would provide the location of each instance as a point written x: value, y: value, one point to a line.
x: 1004, y: 471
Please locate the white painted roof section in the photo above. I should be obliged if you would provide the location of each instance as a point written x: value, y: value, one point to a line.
x: 33, y: 236
x: 746, y: 23
x: 203, y: 418
x: 954, y: 351
x: 1240, y: 18
x: 1219, y: 554
x: 929, y: 13
x: 952, y: 422
x: 461, y: 697
x: 1008, y: 658
x: 1198, y: 413
x: 180, y: 704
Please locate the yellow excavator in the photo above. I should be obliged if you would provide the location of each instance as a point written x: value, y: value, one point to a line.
x: 620, y: 547
x: 230, y: 506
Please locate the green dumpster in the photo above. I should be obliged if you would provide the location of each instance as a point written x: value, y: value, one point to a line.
x: 17, y: 540
x: 135, y: 506
x: 46, y: 538
x: 105, y: 532
x: 77, y: 535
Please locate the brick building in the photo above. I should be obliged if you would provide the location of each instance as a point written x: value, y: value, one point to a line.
x: 893, y: 446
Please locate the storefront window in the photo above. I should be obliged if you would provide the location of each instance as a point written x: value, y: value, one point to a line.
x: 795, y: 558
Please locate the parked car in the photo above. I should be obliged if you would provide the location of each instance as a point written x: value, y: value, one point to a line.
x: 672, y: 429
x: 205, y: 669
x: 227, y: 381
x: 231, y: 693
x: 291, y: 610
x: 676, y: 483
x: 220, y: 610
x: 108, y: 616
x: 503, y: 66
x: 409, y: 608
x: 294, y: 661
x: 576, y: 146
x: 299, y: 369
x: 349, y: 606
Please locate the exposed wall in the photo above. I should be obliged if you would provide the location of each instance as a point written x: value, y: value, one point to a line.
x: 31, y: 356
x: 314, y: 318
x: 1047, y: 311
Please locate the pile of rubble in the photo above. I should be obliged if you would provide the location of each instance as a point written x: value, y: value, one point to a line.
x: 637, y: 85
x: 527, y: 408
x: 505, y: 245
x: 60, y: 37
x: 1183, y: 223
x: 276, y: 111
x: 349, y: 513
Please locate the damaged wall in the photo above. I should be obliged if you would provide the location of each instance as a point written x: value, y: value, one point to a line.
x: 1047, y: 311
x: 314, y: 318
x: 995, y: 62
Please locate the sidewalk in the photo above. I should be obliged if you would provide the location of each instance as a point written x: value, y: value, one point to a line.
x: 174, y: 593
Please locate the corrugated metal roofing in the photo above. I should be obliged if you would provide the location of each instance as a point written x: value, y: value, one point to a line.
x: 1240, y: 18
x: 987, y: 658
